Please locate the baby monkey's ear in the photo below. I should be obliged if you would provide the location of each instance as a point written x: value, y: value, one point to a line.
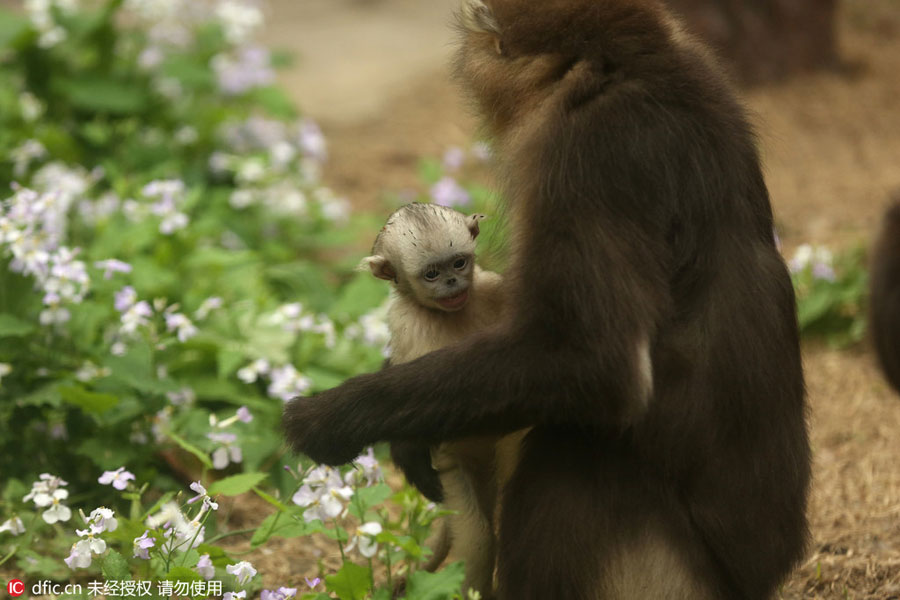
x: 472, y: 224
x: 379, y: 266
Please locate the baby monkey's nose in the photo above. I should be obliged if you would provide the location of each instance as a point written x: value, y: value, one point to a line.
x: 451, y: 281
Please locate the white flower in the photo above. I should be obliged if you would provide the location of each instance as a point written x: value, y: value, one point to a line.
x: 177, y: 525
x: 5, y: 369
x: 365, y: 539
x: 287, y: 383
x: 183, y: 397
x: 243, y: 572
x: 118, y: 479
x: 234, y: 595
x: 57, y: 511
x: 31, y: 107
x: 251, y: 372
x: 239, y: 20
x: 88, y: 371
x: 180, y: 323
x: 227, y: 452
x: 207, y: 306
x: 282, y: 154
x: 333, y: 208
x: 13, y: 525
x: 102, y: 519
x: 80, y: 556
x: 186, y: 135
x: 323, y: 494
x: 136, y: 316
x: 205, y: 567
x: 367, y: 469
x: 25, y: 154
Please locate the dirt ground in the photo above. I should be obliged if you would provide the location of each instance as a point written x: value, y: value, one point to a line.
x: 831, y: 143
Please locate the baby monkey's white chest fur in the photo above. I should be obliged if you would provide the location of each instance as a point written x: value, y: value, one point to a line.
x: 417, y: 330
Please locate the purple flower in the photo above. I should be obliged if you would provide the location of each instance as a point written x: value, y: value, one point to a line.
x: 118, y: 478
x: 243, y: 415
x: 311, y: 140
x: 142, y: 546
x: 822, y: 270
x: 111, y: 266
x: 454, y: 158
x: 251, y: 68
x: 447, y: 192
x: 125, y: 298
x: 205, y: 567
x: 202, y: 495
x: 282, y: 593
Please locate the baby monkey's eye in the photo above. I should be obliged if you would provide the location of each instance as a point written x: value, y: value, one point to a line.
x: 432, y: 275
x: 460, y: 263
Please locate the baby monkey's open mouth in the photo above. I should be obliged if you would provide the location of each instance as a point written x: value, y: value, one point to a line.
x: 454, y: 302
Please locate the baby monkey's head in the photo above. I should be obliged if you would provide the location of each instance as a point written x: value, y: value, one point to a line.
x: 428, y: 252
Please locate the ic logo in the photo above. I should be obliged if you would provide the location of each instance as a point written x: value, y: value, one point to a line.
x: 16, y: 587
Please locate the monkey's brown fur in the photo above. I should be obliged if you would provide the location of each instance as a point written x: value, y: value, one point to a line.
x: 653, y: 344
x: 885, y: 296
x: 418, y: 234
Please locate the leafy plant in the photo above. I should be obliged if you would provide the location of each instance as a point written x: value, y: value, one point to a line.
x: 831, y: 294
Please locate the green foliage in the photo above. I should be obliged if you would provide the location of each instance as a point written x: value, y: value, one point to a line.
x: 831, y: 295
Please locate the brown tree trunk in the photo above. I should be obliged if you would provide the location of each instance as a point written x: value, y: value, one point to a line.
x: 765, y: 40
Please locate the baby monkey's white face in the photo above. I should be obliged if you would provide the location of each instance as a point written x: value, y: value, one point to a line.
x: 428, y: 252
x: 443, y: 283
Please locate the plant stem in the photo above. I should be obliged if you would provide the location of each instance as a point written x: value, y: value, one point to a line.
x: 228, y: 534
x: 338, y: 538
x: 10, y: 555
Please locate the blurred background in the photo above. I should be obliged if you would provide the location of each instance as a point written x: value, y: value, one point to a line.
x: 238, y: 159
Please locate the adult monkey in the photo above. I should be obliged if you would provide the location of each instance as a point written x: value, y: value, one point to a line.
x: 653, y: 342
x: 884, y: 306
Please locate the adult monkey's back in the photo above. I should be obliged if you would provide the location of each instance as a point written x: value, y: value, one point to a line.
x: 653, y: 342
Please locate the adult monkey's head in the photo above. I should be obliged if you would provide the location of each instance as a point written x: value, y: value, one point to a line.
x: 521, y: 57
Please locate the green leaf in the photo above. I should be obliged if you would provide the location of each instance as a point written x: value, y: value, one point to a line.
x: 186, y: 445
x: 369, y: 497
x: 352, y: 582
x: 115, y: 566
x: 236, y: 484
x: 280, y: 525
x: 11, y: 25
x: 104, y: 95
x: 90, y: 402
x: 47, y: 394
x: 228, y: 361
x: 270, y: 499
x: 162, y: 500
x: 359, y: 296
x: 183, y: 574
x: 423, y: 585
x: 275, y: 102
x: 12, y: 326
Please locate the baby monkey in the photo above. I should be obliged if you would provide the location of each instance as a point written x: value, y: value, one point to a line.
x: 440, y: 297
